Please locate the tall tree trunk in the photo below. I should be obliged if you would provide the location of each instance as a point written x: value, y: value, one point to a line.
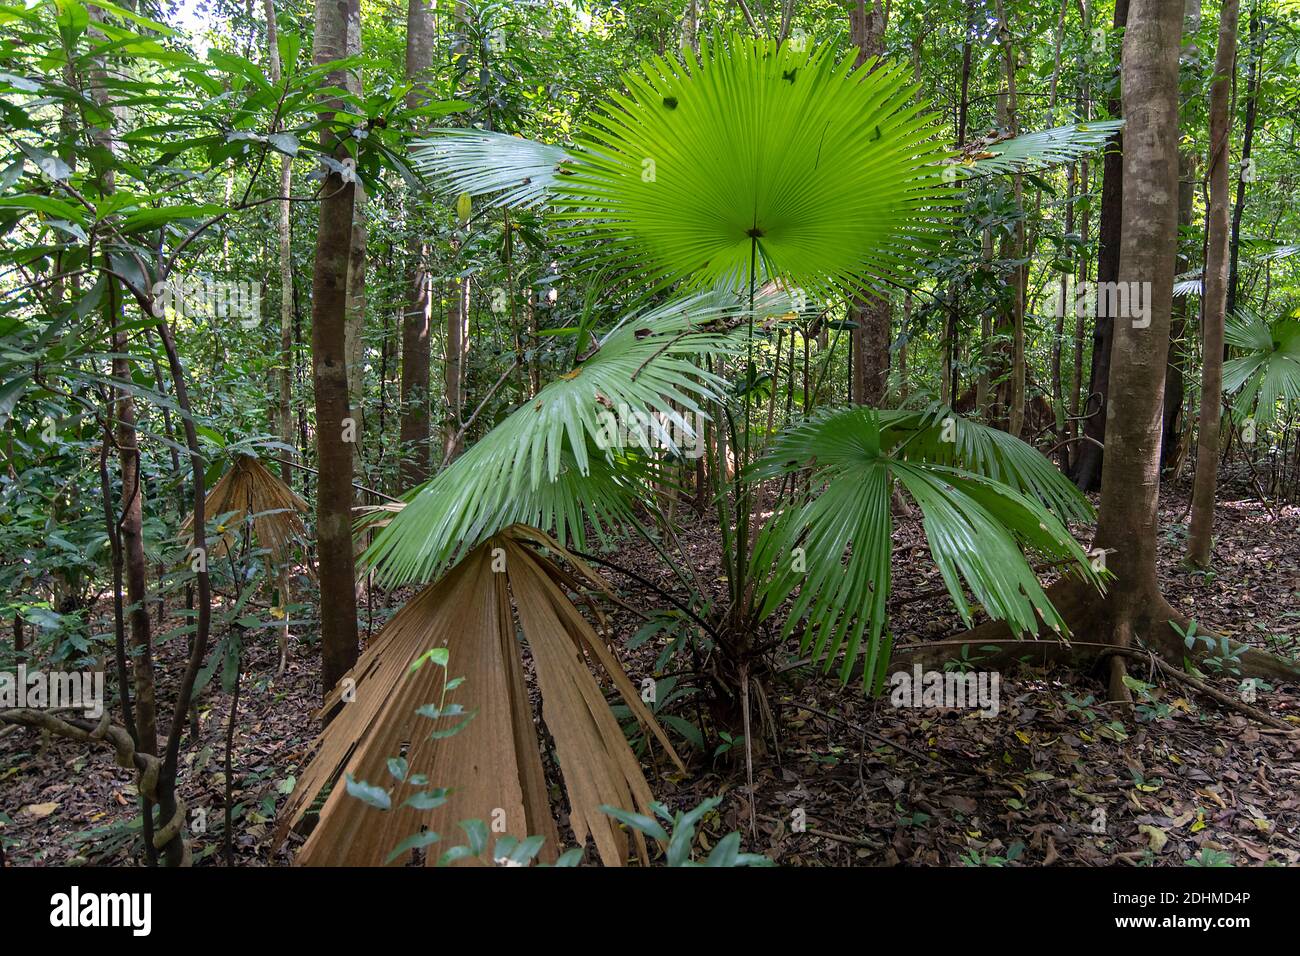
x: 354, y: 325
x: 330, y: 377
x: 1012, y: 392
x: 131, y: 519
x: 456, y: 353
x: 131, y: 523
x: 1096, y: 406
x: 414, y: 398
x: 870, y: 314
x: 1200, y: 532
x: 285, y: 234
x: 1130, y: 486
x: 1247, y: 144
x: 1175, y: 386
x: 1185, y: 309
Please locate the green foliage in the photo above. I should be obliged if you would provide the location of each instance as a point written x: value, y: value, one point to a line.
x: 1267, y: 376
x: 551, y: 463
x: 976, y: 527
x: 681, y: 835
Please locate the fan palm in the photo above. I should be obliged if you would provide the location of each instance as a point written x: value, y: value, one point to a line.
x: 750, y: 151
x: 544, y: 465
x: 976, y: 525
x: 1269, y: 371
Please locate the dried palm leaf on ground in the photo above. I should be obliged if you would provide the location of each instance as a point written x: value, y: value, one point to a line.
x: 493, y: 765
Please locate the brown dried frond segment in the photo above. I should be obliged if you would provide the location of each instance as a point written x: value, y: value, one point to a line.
x: 493, y: 765
x: 248, y: 488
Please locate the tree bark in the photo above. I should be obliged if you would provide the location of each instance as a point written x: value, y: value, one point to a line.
x: 1130, y: 484
x: 284, y: 231
x: 1247, y: 144
x: 330, y: 379
x: 1200, y: 532
x: 869, y: 338
x: 1096, y: 407
x: 414, y: 400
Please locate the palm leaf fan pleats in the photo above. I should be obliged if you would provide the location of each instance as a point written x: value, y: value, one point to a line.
x: 493, y: 765
x: 249, y: 488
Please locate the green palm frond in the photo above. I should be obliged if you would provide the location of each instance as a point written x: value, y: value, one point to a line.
x: 550, y: 463
x: 977, y: 529
x: 1268, y: 374
x: 937, y: 435
x: 835, y: 172
x: 1189, y: 283
x: 1047, y: 147
x: 512, y: 170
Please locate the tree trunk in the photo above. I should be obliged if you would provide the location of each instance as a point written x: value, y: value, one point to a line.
x: 1185, y: 309
x: 869, y: 339
x: 330, y: 379
x: 1200, y: 533
x: 131, y: 523
x: 1247, y: 144
x: 355, y: 323
x: 414, y: 401
x: 1011, y: 393
x: 131, y: 520
x: 1087, y: 472
x: 285, y: 235
x: 1130, y: 484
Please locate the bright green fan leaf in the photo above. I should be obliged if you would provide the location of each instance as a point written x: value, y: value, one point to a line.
x: 749, y: 150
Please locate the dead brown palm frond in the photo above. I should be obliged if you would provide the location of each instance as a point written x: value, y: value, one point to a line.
x: 493, y: 765
x: 248, y: 488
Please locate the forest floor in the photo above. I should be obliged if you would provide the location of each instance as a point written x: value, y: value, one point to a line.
x: 1057, y: 776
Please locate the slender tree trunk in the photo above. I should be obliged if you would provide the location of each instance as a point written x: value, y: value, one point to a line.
x: 1185, y: 310
x: 1200, y: 532
x: 414, y: 400
x: 869, y: 339
x: 131, y: 523
x: 131, y: 520
x: 1130, y: 487
x: 1247, y: 144
x: 1012, y: 393
x: 330, y: 379
x: 284, y: 230
x: 1087, y: 471
x: 355, y: 324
